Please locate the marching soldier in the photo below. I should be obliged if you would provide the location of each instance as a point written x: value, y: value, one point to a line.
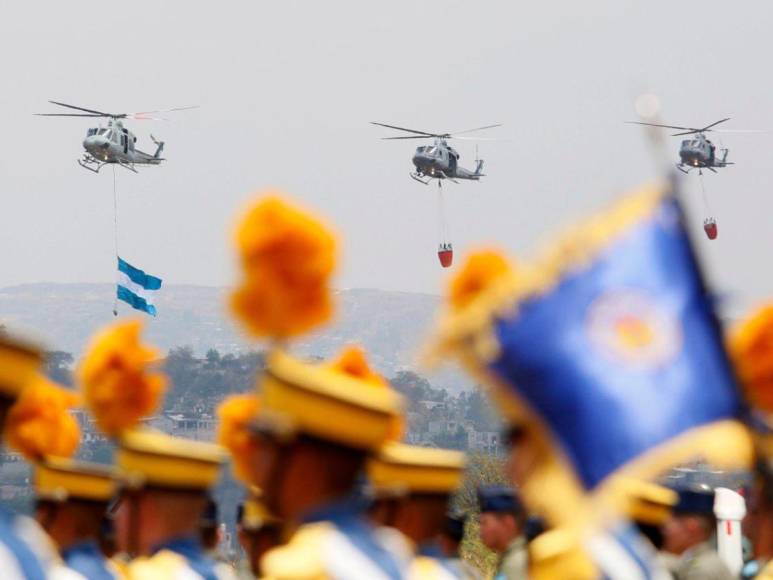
x: 19, y: 364
x: 257, y: 530
x: 317, y: 426
x: 690, y: 534
x: 211, y: 538
x: 502, y: 519
x: 166, y: 484
x: 428, y: 478
x: 72, y: 498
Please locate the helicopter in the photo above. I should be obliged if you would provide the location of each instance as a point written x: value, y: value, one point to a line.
x: 114, y: 144
x: 439, y: 160
x: 697, y: 153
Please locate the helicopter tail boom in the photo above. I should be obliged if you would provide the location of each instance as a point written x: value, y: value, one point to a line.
x: 159, y: 147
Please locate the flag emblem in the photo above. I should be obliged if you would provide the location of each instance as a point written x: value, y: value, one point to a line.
x: 632, y: 329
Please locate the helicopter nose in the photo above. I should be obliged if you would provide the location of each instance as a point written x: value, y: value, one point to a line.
x: 94, y: 142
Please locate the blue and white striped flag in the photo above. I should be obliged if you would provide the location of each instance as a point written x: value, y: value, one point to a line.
x: 136, y: 288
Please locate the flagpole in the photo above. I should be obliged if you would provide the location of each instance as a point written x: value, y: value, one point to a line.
x: 115, y: 234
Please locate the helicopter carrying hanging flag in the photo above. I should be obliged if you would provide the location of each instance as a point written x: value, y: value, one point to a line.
x: 115, y: 144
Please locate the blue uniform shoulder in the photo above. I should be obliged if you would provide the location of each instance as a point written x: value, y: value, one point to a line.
x: 87, y: 560
x: 23, y: 555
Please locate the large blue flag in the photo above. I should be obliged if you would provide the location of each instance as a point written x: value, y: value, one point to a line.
x: 610, y: 346
x: 136, y: 288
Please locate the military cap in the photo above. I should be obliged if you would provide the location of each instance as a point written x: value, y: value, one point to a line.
x: 418, y: 469
x: 499, y: 499
x: 60, y: 479
x: 150, y: 458
x: 326, y: 404
x: 649, y: 503
x: 20, y: 361
x: 695, y: 501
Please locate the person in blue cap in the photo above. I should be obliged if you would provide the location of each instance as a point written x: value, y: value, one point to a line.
x: 690, y: 534
x: 502, y: 519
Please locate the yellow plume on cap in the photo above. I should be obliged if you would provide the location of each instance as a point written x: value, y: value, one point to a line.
x: 751, y: 350
x: 118, y: 387
x: 479, y: 270
x: 39, y: 424
x: 352, y: 362
x: 287, y: 258
x: 236, y: 413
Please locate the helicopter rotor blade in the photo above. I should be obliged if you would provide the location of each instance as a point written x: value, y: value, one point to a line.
x: 707, y: 127
x: 476, y: 138
x: 741, y: 131
x: 424, y: 133
x: 143, y: 114
x: 454, y: 134
x: 690, y: 129
x: 66, y: 115
x: 408, y: 137
x: 100, y: 113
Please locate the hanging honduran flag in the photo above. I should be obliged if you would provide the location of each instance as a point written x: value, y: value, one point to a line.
x: 136, y: 288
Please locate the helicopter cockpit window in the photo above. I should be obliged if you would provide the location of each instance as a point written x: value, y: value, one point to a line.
x: 91, y: 132
x: 432, y: 151
x: 102, y: 131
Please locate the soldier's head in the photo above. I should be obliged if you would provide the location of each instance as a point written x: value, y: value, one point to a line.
x: 166, y: 488
x: 692, y: 521
x: 316, y: 427
x: 502, y: 516
x: 420, y: 481
x: 649, y: 506
x: 257, y: 530
x: 758, y: 525
x: 452, y: 534
x: 71, y: 499
x: 209, y: 525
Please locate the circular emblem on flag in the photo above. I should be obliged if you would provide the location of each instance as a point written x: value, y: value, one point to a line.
x: 633, y: 329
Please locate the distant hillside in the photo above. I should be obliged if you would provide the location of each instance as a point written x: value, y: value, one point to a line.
x: 391, y: 325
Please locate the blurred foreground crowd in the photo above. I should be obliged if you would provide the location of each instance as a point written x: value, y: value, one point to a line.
x: 604, y: 358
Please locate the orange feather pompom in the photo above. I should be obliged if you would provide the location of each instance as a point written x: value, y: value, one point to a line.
x: 235, y: 415
x: 751, y: 350
x: 119, y: 387
x: 39, y: 422
x: 287, y: 259
x: 479, y: 271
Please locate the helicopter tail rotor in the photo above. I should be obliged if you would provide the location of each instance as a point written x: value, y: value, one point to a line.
x: 159, y: 147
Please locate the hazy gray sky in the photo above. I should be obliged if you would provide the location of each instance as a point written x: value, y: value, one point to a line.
x: 287, y: 90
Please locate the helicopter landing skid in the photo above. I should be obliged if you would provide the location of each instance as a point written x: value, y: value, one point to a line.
x: 87, y: 162
x: 418, y: 178
x: 94, y: 165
